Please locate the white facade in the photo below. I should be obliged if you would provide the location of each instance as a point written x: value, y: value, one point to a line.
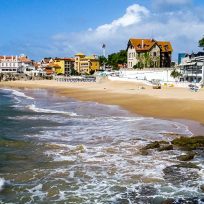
x: 192, y: 69
x: 9, y: 64
x: 131, y: 57
x: 160, y: 74
x: 14, y: 64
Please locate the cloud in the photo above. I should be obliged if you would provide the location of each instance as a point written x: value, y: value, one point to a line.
x: 132, y: 16
x: 92, y: 38
x: 182, y: 27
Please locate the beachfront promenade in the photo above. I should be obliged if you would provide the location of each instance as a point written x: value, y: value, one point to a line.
x: 74, y: 79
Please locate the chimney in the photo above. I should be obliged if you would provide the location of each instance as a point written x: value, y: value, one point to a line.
x: 142, y: 44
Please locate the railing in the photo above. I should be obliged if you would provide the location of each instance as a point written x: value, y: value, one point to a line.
x: 74, y: 79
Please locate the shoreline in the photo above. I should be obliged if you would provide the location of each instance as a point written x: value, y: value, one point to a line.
x: 187, y: 108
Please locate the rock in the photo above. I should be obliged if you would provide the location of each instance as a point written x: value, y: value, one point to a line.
x: 144, y: 152
x: 152, y: 145
x: 165, y: 148
x: 168, y: 201
x: 189, y: 143
x: 160, y: 145
x: 180, y: 173
x: 202, y: 187
x: 187, y: 157
x: 188, y: 165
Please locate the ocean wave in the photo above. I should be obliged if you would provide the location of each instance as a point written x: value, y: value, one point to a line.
x: 18, y: 93
x: 21, y: 94
x: 2, y: 183
x: 43, y: 110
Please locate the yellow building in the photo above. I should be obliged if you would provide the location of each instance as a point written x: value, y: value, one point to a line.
x: 65, y: 65
x: 86, y: 64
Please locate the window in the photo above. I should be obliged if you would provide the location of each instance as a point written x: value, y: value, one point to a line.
x: 154, y: 54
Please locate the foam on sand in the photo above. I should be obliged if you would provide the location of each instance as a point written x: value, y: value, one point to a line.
x: 43, y: 110
x: 2, y: 183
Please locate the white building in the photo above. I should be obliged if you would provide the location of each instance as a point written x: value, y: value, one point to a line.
x: 192, y: 68
x: 14, y: 64
x: 9, y: 64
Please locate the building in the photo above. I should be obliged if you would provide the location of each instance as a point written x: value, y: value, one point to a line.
x: 192, y: 68
x: 148, y: 53
x: 180, y: 57
x: 49, y: 69
x: 64, y: 66
x: 14, y: 64
x: 86, y: 64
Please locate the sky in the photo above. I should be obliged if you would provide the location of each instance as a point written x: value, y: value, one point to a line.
x: 62, y: 28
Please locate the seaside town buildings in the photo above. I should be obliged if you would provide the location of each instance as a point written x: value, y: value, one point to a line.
x: 14, y: 64
x: 63, y: 66
x: 86, y: 64
x: 81, y: 64
x: 57, y: 66
x: 148, y: 53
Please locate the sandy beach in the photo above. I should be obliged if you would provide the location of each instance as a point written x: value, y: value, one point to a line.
x: 168, y: 102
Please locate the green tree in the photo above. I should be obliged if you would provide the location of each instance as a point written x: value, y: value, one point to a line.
x: 102, y: 60
x: 117, y: 58
x: 175, y: 74
x: 201, y: 43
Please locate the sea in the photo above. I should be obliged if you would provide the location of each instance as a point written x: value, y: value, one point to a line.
x: 55, y: 149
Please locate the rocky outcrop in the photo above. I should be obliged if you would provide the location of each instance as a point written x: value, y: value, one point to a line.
x: 189, y: 143
x: 187, y: 157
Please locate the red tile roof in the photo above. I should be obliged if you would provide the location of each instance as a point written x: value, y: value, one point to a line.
x: 53, y: 65
x: 165, y: 46
x: 142, y: 45
x: 65, y: 58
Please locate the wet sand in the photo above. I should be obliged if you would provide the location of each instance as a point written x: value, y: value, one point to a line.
x: 169, y: 102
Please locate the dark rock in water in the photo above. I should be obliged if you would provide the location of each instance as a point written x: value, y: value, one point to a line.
x: 179, y: 174
x: 141, y: 194
x: 202, y: 187
x: 168, y: 201
x: 187, y: 157
x: 165, y: 148
x: 182, y: 201
x: 189, y: 143
x: 164, y: 145
x: 188, y: 165
x: 152, y: 145
x: 122, y: 201
x: 144, y: 152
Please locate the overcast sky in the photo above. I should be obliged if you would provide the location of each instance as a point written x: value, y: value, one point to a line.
x: 61, y: 28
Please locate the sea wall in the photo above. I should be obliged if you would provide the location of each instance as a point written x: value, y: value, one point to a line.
x: 149, y: 75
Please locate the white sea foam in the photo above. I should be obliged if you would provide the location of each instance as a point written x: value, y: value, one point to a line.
x: 2, y: 183
x: 37, y: 192
x: 43, y: 110
x: 21, y: 94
